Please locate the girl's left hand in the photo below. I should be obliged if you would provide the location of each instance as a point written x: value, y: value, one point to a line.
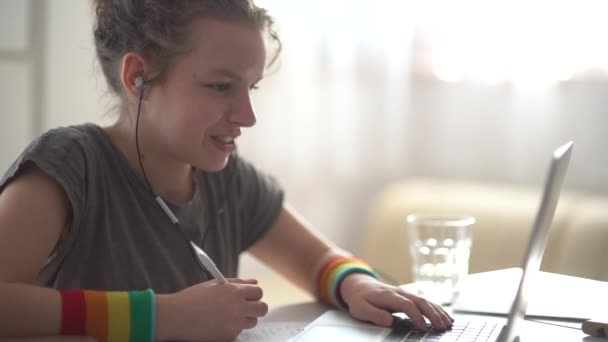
x: 370, y: 300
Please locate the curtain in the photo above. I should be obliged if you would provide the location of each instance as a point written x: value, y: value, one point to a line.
x: 371, y: 92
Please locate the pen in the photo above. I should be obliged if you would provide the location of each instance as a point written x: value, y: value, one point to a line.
x: 202, y: 256
x: 208, y: 263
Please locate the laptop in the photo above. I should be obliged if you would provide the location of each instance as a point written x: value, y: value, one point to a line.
x: 340, y: 326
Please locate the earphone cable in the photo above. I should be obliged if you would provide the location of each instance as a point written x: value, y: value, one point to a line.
x: 141, y: 164
x: 143, y: 171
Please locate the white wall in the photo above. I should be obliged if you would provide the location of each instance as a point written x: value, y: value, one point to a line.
x: 15, y: 80
x: 72, y: 89
x: 74, y: 84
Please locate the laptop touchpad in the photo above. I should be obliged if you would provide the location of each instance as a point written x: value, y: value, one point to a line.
x: 341, y: 333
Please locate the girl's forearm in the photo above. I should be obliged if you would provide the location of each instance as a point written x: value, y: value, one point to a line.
x: 50, y: 339
x: 29, y: 310
x: 34, y: 313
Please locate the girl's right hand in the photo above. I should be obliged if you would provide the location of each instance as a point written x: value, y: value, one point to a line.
x: 209, y: 311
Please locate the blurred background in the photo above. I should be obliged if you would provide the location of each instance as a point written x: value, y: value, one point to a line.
x: 368, y: 92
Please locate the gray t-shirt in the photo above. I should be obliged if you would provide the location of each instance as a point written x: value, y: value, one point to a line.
x: 120, y: 239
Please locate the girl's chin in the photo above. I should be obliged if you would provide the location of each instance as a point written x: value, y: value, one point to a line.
x: 213, y: 166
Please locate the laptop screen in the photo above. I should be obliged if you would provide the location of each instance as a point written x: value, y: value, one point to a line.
x: 539, y: 236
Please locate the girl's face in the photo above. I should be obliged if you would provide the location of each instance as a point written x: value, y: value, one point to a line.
x: 196, y: 113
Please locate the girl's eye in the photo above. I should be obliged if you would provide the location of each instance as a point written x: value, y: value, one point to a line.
x: 254, y: 87
x: 220, y: 87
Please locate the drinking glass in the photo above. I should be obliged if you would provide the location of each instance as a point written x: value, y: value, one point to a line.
x: 440, y: 248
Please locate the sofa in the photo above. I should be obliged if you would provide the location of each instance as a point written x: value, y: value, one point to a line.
x: 578, y: 241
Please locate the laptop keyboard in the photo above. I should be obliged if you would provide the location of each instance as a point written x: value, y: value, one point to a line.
x: 462, y: 331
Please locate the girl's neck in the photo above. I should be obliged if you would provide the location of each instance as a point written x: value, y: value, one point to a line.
x: 168, y: 177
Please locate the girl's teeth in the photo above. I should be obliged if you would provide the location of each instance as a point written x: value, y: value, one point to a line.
x: 226, y: 140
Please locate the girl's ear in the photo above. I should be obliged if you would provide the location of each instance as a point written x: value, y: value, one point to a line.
x: 132, y: 73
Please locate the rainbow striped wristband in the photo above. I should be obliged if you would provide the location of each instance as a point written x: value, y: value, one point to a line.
x: 331, y: 274
x: 109, y: 316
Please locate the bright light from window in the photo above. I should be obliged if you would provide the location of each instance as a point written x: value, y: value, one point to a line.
x: 527, y: 42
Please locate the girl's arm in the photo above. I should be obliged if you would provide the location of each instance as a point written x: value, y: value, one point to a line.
x: 294, y: 250
x: 34, y: 212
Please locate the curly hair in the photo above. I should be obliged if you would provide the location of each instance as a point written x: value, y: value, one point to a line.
x: 156, y: 29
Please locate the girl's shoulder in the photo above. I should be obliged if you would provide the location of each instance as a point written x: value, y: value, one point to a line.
x: 83, y: 135
x: 64, y: 153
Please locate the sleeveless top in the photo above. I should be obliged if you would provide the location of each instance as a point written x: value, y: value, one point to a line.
x: 121, y: 240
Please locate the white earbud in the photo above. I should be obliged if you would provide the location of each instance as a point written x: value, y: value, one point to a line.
x: 139, y: 81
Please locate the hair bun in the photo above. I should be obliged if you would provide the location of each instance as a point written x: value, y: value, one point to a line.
x: 100, y: 5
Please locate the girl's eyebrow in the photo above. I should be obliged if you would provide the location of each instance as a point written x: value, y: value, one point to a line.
x: 224, y: 72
